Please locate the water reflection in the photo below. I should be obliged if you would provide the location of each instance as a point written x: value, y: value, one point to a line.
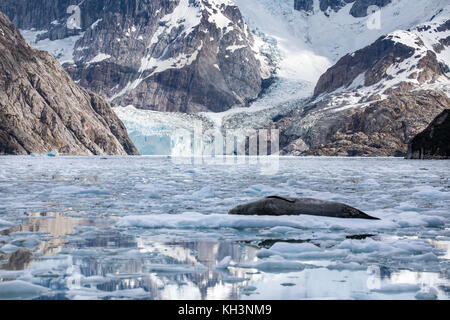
x: 81, y: 258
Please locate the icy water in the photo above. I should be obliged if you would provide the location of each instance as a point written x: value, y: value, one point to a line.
x: 157, y: 228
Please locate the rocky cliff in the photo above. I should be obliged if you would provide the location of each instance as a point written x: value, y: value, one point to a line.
x: 182, y: 55
x: 434, y: 141
x: 42, y: 109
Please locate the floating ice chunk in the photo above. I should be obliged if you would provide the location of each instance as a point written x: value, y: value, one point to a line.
x: 265, y: 253
x: 93, y: 294
x: 95, y: 280
x: 430, y: 192
x: 427, y: 257
x: 151, y: 190
x: 249, y: 289
x: 4, y: 223
x: 177, y: 268
x: 427, y: 294
x: 78, y: 190
x: 347, y: 266
x: 224, y: 263
x: 28, y: 242
x: 282, y: 230
x: 313, y: 255
x: 11, y: 274
x: 9, y: 248
x: 213, y: 221
x: 231, y: 279
x: 18, y: 289
x: 292, y: 182
x: 126, y: 275
x: 261, y: 189
x: 294, y: 251
x: 434, y: 222
x: 360, y: 246
x: 397, y: 288
x: 285, y: 247
x: 274, y: 264
x: 81, y: 252
x: 204, y: 193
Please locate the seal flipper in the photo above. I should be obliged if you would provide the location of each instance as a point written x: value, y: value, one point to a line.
x: 281, y: 198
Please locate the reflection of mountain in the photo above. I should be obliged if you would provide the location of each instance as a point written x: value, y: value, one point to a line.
x: 52, y: 224
x: 124, y: 260
x: 171, y: 285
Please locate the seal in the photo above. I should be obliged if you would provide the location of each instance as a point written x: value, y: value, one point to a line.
x: 278, y: 206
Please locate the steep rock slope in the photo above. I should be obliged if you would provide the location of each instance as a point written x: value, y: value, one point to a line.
x: 181, y: 55
x: 359, y: 7
x: 372, y: 102
x: 434, y: 141
x: 42, y: 109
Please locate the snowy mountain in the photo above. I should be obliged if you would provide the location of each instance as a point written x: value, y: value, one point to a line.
x: 375, y: 100
x: 306, y: 67
x: 182, y: 55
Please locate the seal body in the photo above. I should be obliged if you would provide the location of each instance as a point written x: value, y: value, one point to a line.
x: 278, y: 206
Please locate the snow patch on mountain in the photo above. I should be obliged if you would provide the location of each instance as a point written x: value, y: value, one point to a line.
x: 310, y: 43
x: 185, y: 15
x: 424, y: 39
x: 100, y: 57
x: 61, y: 49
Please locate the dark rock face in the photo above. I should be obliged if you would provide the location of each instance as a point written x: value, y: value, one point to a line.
x: 383, y: 128
x: 434, y: 141
x: 335, y: 5
x: 358, y: 10
x: 183, y: 55
x: 24, y: 14
x: 19, y: 260
x: 372, y: 60
x: 42, y: 109
x: 304, y: 5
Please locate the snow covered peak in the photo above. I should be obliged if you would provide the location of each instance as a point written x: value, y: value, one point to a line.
x: 178, y: 55
x: 416, y: 57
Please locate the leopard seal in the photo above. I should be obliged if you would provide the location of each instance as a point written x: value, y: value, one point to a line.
x: 278, y: 206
